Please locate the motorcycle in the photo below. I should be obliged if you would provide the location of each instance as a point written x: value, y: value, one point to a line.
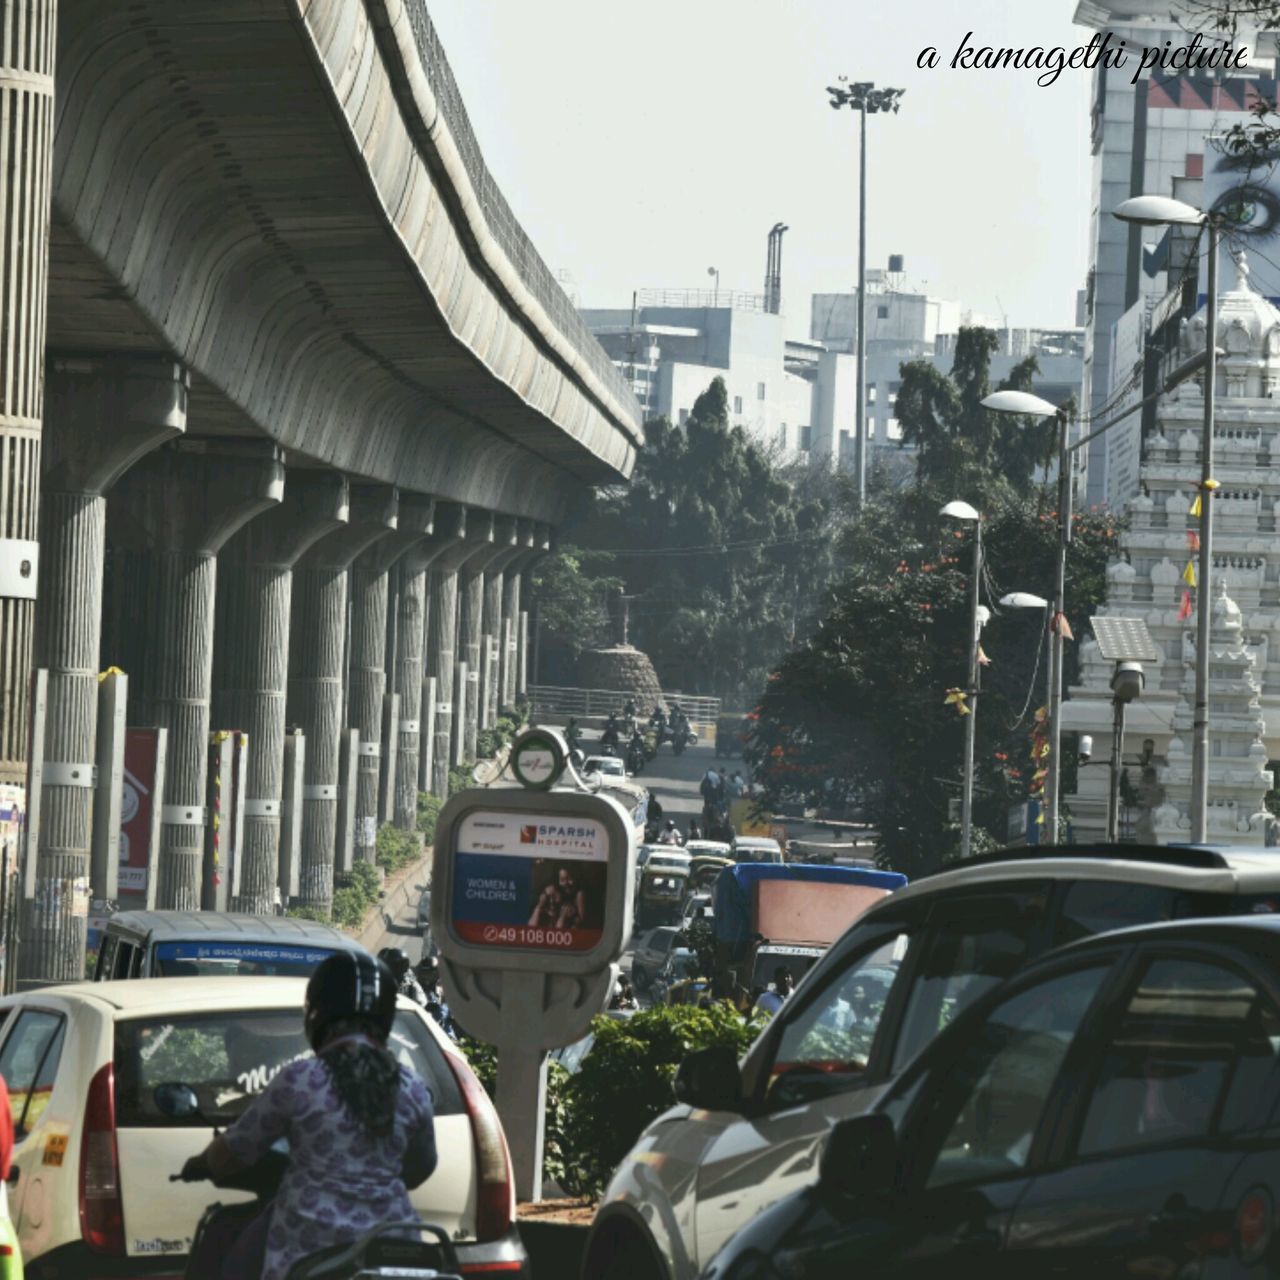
x: 637, y: 758
x: 373, y: 1254
x: 682, y: 738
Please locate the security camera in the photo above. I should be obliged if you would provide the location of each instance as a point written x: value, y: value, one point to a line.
x: 1127, y: 682
x: 1086, y: 747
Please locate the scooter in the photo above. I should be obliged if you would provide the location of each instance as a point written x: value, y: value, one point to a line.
x: 374, y: 1254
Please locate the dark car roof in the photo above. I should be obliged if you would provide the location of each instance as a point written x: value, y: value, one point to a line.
x: 222, y: 926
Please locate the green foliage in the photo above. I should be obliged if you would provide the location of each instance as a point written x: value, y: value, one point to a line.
x: 958, y: 441
x: 301, y: 912
x: 699, y: 936
x: 354, y: 893
x: 593, y: 1118
x: 573, y: 597
x: 394, y: 849
x: 855, y: 719
x: 625, y: 1081
x: 727, y: 552
x: 429, y: 807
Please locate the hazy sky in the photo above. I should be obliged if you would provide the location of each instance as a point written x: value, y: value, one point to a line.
x: 642, y: 144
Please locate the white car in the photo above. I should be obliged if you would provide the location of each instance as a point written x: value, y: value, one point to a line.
x: 742, y: 1136
x: 609, y: 766
x: 90, y: 1194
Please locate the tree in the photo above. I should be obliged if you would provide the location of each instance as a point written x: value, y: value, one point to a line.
x: 857, y: 719
x: 956, y: 438
x: 571, y: 600
x: 727, y: 553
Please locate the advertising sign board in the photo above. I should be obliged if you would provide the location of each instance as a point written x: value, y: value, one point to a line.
x: 140, y: 754
x: 530, y: 880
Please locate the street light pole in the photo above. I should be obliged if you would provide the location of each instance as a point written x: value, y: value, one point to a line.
x: 971, y: 720
x: 862, y: 96
x: 1154, y: 211
x: 1204, y: 605
x: 860, y: 357
x: 1054, y: 775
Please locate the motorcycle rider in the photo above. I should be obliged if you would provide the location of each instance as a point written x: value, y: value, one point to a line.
x: 695, y: 831
x: 636, y: 755
x: 360, y: 1127
x: 429, y: 975
x: 406, y: 984
x: 670, y: 834
x: 610, y: 738
x: 573, y: 734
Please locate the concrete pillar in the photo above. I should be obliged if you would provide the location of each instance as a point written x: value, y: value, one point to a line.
x: 509, y: 618
x: 480, y: 536
x: 542, y: 546
x: 101, y: 416
x: 174, y: 511
x: 251, y: 659
x: 368, y: 671
x: 412, y: 682
x: 442, y: 625
x: 26, y: 109
x: 317, y: 662
x: 506, y: 547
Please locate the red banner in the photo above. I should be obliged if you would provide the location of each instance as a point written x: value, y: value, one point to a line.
x: 136, y: 809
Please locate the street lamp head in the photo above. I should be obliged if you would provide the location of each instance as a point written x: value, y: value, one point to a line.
x: 1127, y: 682
x: 1020, y: 402
x: 958, y: 510
x: 1157, y: 211
x: 1023, y: 600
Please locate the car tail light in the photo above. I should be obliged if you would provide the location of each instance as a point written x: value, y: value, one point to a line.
x: 495, y: 1195
x: 101, y: 1210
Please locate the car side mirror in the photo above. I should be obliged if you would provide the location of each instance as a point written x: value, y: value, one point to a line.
x: 177, y: 1101
x: 861, y: 1156
x: 710, y: 1080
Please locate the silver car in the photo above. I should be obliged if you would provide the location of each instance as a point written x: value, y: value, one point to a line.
x: 742, y: 1136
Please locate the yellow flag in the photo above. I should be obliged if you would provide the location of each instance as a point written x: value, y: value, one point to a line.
x: 1189, y: 574
x: 1195, y: 506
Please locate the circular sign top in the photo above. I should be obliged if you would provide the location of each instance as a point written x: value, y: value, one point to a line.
x: 537, y: 760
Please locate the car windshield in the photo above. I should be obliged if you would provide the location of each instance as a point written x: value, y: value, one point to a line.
x: 229, y: 1057
x: 235, y: 959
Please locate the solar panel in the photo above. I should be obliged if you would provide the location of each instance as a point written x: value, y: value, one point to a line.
x: 1124, y: 640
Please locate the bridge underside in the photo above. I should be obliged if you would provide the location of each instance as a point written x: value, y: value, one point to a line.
x: 252, y: 187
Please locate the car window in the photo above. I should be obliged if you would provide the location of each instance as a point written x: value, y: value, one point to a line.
x: 229, y: 1057
x: 834, y: 1032
x: 1169, y: 1060
x: 29, y: 1065
x: 106, y: 958
x: 972, y: 944
x: 990, y: 1101
x: 1098, y: 906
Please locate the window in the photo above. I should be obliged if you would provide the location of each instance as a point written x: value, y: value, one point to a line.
x: 230, y: 1057
x: 991, y: 1100
x: 737, y: 405
x: 882, y: 313
x: 1098, y: 906
x: 759, y: 390
x: 834, y: 1032
x: 1170, y: 1058
x: 981, y: 941
x: 871, y: 394
x: 29, y: 1065
x: 893, y: 428
x: 806, y: 439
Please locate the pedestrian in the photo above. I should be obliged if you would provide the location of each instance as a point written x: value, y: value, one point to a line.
x: 695, y: 831
x: 771, y: 1000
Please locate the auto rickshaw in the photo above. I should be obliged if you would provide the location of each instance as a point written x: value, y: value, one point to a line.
x: 661, y: 895
x: 703, y: 870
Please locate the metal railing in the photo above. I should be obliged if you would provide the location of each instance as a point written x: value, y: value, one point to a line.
x: 558, y: 700
x: 502, y: 223
x: 694, y: 298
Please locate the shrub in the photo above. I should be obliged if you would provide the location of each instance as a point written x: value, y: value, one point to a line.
x: 355, y: 891
x: 429, y: 807
x: 625, y: 1081
x: 395, y: 848
x: 301, y: 912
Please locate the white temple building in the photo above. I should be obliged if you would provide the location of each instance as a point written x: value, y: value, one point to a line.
x: 1244, y: 666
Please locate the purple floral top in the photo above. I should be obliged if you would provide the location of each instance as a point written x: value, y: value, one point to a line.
x: 341, y: 1180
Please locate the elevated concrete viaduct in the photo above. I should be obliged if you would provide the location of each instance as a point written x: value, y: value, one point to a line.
x: 289, y: 408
